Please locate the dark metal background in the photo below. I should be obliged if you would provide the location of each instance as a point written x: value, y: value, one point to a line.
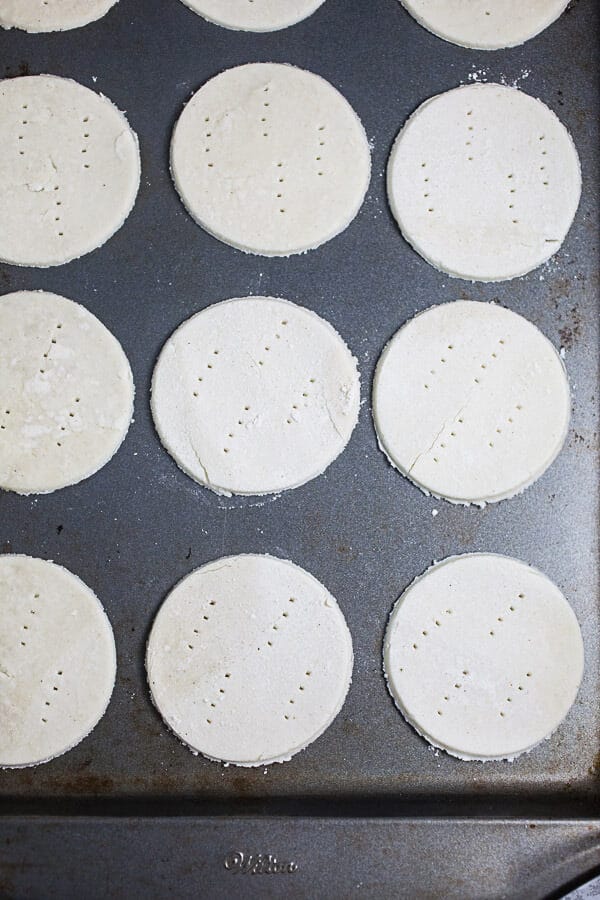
x: 134, y: 529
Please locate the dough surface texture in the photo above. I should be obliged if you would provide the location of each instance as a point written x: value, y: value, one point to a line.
x: 57, y: 661
x: 66, y: 393
x: 257, y: 15
x: 485, y: 25
x: 255, y: 395
x: 471, y: 402
x: 484, y: 182
x: 51, y: 15
x: 483, y: 656
x: 270, y: 159
x: 249, y: 660
x: 69, y: 170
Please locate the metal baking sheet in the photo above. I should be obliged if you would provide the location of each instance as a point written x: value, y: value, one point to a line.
x: 139, y: 525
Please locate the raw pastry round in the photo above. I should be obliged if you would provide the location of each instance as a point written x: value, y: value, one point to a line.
x: 66, y: 393
x: 69, y: 170
x: 484, y: 182
x: 483, y: 656
x: 249, y: 660
x: 51, y: 15
x: 485, y: 25
x: 258, y: 15
x: 255, y: 395
x: 471, y: 402
x: 57, y: 661
x: 270, y: 159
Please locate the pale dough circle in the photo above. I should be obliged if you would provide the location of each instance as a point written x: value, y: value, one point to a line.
x: 249, y: 660
x: 484, y: 182
x: 57, y: 661
x: 483, y: 656
x: 485, y: 24
x: 270, y: 159
x: 69, y: 170
x: 255, y: 395
x: 51, y: 15
x: 471, y: 402
x: 66, y: 393
x: 254, y: 15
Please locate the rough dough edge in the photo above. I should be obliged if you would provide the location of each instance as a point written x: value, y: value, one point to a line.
x: 316, y: 5
x: 421, y: 21
x: 138, y: 158
x: 438, y: 564
x: 457, y: 501
x: 317, y: 735
x: 90, y: 474
x: 217, y: 489
x: 88, y: 589
x: 87, y: 21
x: 394, y: 210
x: 248, y: 250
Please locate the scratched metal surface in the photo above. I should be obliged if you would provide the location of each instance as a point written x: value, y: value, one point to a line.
x: 134, y: 529
x: 372, y: 858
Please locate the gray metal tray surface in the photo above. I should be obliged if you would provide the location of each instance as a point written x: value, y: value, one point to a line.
x: 139, y: 525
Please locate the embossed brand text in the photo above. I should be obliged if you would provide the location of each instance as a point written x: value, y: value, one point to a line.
x: 258, y: 864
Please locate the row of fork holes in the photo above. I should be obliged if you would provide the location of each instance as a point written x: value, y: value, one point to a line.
x: 264, y: 125
x: 291, y: 701
x: 26, y: 627
x: 511, y: 609
x: 512, y: 189
x: 437, y: 624
x: 71, y: 416
x: 476, y: 380
x: 502, y: 713
x: 261, y: 362
x: 426, y: 194
x: 449, y: 612
x: 205, y: 618
x: 458, y: 685
x: 43, y: 372
x: 484, y: 365
x: 510, y: 420
x: 32, y: 612
x: 470, y: 130
x: 510, y: 699
x: 62, y: 427
x: 84, y: 149
x: 295, y: 406
x: 269, y: 643
x: 54, y: 688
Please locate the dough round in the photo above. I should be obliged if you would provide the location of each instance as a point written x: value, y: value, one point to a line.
x: 249, y: 660
x: 69, y: 170
x: 258, y: 15
x: 57, y: 661
x: 483, y: 656
x: 270, y: 159
x: 484, y: 182
x: 485, y: 25
x: 255, y: 395
x: 51, y: 15
x: 66, y: 393
x: 471, y: 402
